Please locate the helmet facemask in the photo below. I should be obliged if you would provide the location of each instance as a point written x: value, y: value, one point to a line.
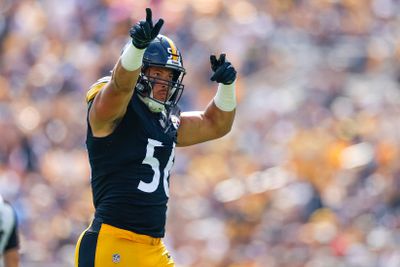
x: 174, y: 90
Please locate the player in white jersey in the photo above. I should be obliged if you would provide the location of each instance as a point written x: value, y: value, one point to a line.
x: 9, y: 242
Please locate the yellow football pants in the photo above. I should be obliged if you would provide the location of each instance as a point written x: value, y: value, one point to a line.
x: 103, y: 245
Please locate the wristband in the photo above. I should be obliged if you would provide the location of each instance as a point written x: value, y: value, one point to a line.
x: 225, y: 98
x: 132, y: 58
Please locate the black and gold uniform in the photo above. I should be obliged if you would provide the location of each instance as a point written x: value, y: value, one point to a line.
x: 130, y: 177
x: 130, y: 174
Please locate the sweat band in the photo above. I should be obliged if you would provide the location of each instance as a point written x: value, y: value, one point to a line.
x: 225, y: 99
x: 132, y: 58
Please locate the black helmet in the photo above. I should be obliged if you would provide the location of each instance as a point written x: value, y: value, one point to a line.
x: 161, y: 52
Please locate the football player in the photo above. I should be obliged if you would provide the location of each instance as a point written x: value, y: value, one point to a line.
x: 134, y: 125
x: 9, y: 242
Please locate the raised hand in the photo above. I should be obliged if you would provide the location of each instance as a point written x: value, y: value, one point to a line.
x: 144, y: 32
x: 223, y: 70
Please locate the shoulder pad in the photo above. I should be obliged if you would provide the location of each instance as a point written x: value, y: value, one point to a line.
x: 96, y: 87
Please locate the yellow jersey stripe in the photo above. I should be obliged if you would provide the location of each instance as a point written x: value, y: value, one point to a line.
x: 96, y: 87
x: 94, y: 90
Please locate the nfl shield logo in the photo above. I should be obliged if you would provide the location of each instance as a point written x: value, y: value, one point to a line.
x: 116, y: 258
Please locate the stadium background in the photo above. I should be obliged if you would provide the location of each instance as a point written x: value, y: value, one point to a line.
x: 309, y: 175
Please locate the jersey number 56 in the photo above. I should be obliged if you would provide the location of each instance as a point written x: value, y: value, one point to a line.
x: 154, y: 163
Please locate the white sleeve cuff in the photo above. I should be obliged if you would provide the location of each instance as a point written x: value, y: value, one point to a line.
x: 225, y: 98
x: 132, y: 58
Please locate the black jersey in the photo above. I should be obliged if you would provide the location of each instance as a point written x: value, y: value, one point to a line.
x: 130, y: 169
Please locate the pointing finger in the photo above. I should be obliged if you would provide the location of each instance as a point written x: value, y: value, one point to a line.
x: 149, y: 17
x: 221, y: 59
x: 157, y: 27
x: 213, y: 60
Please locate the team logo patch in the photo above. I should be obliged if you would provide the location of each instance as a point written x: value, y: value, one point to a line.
x: 175, y: 121
x: 116, y: 258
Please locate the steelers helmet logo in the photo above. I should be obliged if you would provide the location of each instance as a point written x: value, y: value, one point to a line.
x: 175, y: 121
x: 116, y: 258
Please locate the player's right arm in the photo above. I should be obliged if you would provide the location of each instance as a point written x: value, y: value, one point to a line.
x: 110, y: 103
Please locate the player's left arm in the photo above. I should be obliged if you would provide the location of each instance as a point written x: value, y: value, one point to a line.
x: 217, y: 119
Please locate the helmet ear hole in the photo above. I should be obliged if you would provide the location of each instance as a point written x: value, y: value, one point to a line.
x: 143, y: 86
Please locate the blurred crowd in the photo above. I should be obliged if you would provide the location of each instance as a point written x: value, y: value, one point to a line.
x: 309, y: 175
